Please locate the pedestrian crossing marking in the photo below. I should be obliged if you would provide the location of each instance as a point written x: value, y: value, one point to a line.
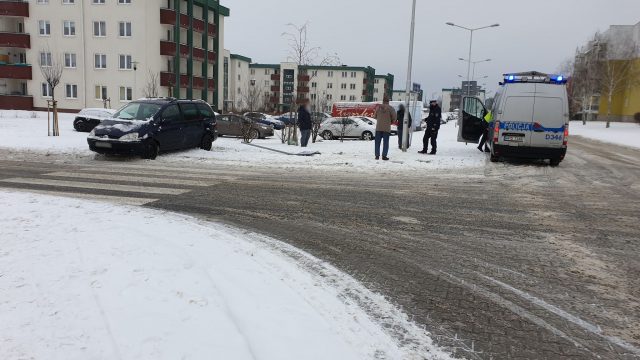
x: 132, y: 201
x: 96, y: 186
x: 125, y: 178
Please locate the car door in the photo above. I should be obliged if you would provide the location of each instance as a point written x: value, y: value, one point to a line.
x: 355, y: 128
x: 235, y: 125
x: 470, y: 124
x: 169, y: 133
x: 193, y: 125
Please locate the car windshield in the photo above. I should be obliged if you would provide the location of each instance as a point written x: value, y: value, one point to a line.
x: 137, y: 111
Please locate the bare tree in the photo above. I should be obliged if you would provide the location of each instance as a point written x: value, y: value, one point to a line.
x: 318, y: 106
x: 302, y: 53
x: 151, y: 89
x: 51, y: 67
x: 249, y: 132
x: 344, y: 125
x: 617, y: 68
x: 252, y: 98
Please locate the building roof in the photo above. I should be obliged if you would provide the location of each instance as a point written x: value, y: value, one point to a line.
x: 338, y: 68
x: 240, y: 57
x: 214, y: 5
x: 264, y: 66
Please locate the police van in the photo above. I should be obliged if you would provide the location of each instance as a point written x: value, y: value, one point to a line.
x: 530, y: 118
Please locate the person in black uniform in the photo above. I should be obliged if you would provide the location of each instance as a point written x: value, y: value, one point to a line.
x: 433, y: 126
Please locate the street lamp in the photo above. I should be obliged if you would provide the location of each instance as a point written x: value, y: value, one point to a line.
x: 471, y: 42
x: 405, y: 128
x: 473, y: 75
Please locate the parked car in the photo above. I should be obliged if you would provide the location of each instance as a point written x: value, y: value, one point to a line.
x: 148, y: 127
x: 231, y: 125
x: 349, y: 127
x: 265, y: 119
x: 288, y: 118
x: 89, y: 118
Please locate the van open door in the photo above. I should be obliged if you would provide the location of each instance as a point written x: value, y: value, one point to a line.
x: 471, y: 120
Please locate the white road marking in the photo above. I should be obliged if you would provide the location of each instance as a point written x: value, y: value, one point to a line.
x: 159, y: 172
x: 97, y: 186
x: 133, y: 201
x: 594, y: 329
x: 142, y: 179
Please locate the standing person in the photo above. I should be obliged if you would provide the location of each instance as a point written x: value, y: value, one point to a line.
x: 486, y: 124
x: 304, y: 123
x: 433, y: 126
x: 401, y: 112
x: 385, y: 115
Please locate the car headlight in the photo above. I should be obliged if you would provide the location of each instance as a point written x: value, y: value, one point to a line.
x: 130, y: 137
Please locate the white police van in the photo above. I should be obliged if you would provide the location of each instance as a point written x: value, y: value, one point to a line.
x: 530, y: 118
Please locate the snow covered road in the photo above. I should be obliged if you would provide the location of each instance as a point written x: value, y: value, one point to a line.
x: 90, y: 280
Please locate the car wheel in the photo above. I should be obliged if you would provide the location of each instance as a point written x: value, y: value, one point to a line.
x: 79, y: 126
x: 151, y: 150
x: 327, y: 135
x: 207, y: 142
x: 255, y: 134
x: 555, y: 162
x: 367, y: 135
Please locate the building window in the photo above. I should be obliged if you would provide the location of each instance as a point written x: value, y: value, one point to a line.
x: 44, y: 27
x: 71, y: 91
x: 353, y: 74
x: 375, y: 91
x: 329, y: 96
x: 352, y: 98
x: 314, y: 73
x: 69, y: 60
x: 46, y: 90
x: 344, y: 74
x: 100, y: 61
x: 314, y: 85
x: 99, y: 2
x: 266, y: 83
x: 343, y: 86
x: 99, y: 28
x: 126, y: 93
x: 375, y: 99
x: 239, y: 77
x: 376, y: 81
x: 69, y: 28
x: 330, y: 73
x: 253, y: 71
x: 124, y: 1
x: 42, y: 2
x: 46, y: 59
x: 352, y: 86
x: 125, y: 28
x: 101, y: 92
x: 126, y: 62
x: 343, y: 97
x: 329, y: 85
x: 66, y: 2
x: 266, y: 71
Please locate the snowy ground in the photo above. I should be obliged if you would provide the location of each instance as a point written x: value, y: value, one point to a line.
x: 18, y: 130
x: 116, y: 282
x: 627, y: 134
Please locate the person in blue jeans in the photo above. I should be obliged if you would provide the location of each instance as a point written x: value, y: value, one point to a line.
x: 385, y: 115
x: 304, y: 123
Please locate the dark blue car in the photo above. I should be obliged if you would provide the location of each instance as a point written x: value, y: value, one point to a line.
x: 148, y: 127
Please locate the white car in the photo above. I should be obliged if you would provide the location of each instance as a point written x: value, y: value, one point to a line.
x: 394, y: 127
x: 348, y: 127
x: 89, y: 118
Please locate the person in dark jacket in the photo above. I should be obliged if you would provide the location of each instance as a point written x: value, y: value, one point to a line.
x: 433, y: 126
x: 401, y: 112
x: 304, y: 123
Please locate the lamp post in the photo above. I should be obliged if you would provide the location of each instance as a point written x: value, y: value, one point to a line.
x: 135, y: 69
x: 471, y: 31
x: 473, y: 74
x: 405, y: 121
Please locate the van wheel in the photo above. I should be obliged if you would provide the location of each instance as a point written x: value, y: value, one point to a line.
x: 367, y: 135
x: 554, y: 162
x: 327, y: 135
x: 151, y: 150
x: 207, y: 142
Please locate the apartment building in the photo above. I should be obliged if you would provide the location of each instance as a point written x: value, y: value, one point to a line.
x: 112, y: 51
x: 383, y: 86
x: 614, y: 54
x: 239, y: 86
x: 287, y: 83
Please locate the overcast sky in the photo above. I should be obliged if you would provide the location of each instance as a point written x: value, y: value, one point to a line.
x: 537, y: 36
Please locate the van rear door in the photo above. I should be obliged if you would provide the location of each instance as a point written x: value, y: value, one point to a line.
x: 516, y: 120
x: 548, y: 117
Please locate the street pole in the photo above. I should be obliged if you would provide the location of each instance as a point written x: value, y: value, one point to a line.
x: 469, y: 64
x: 405, y: 121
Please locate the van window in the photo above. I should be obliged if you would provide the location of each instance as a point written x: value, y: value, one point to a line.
x: 473, y: 107
x: 137, y: 111
x: 206, y: 111
x: 171, y: 114
x: 190, y: 111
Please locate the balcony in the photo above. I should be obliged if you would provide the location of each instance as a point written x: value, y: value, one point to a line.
x: 275, y: 88
x: 168, y: 48
x: 16, y: 102
x: 168, y: 79
x: 16, y: 40
x: 304, y: 78
x: 14, y: 8
x: 168, y: 17
x: 15, y: 71
x: 275, y: 77
x: 303, y: 89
